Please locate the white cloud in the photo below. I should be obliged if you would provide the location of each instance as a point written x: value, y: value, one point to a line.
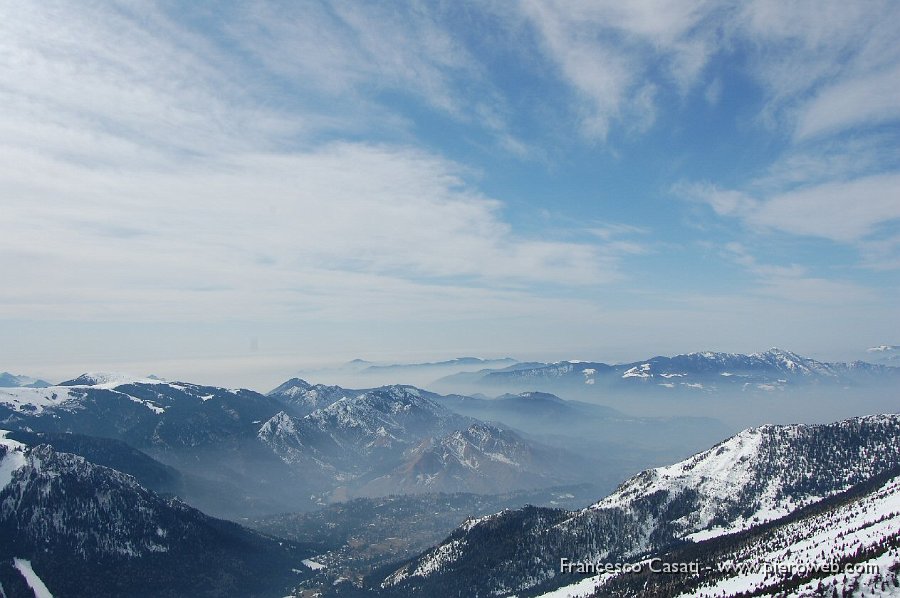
x: 724, y: 202
x: 838, y: 159
x: 92, y: 81
x: 337, y: 49
x: 840, y: 211
x: 606, y: 50
x: 866, y: 100
x: 826, y: 66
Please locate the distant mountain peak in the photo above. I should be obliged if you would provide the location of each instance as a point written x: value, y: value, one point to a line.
x: 109, y: 379
x: 292, y: 385
x: 783, y: 354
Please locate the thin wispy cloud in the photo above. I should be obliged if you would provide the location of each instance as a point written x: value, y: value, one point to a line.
x: 845, y: 212
x: 617, y: 54
x: 794, y: 283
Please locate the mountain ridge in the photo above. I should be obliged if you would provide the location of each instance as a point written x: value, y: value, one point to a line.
x: 766, y: 371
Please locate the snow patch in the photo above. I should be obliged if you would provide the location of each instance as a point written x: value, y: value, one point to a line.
x: 110, y: 380
x: 579, y: 589
x: 33, y: 400
x: 12, y: 460
x: 148, y: 404
x: 31, y: 578
x: 854, y: 528
x: 312, y: 564
x: 642, y: 371
x: 883, y: 349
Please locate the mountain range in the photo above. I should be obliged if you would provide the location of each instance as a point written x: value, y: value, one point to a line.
x: 114, y: 483
x: 770, y: 371
x: 237, y: 452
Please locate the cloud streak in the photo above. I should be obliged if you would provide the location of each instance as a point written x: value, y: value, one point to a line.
x: 841, y: 211
x: 607, y: 51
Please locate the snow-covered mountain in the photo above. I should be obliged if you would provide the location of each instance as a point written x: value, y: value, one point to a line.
x: 111, y: 453
x: 761, y: 474
x: 88, y: 530
x: 755, y: 477
x: 352, y: 430
x: 142, y: 411
x: 692, y: 372
x: 206, y: 433
x: 482, y: 458
x: 302, y: 398
x: 385, y: 416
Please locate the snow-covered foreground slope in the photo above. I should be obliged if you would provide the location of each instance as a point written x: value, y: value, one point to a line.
x: 757, y: 476
x: 860, y: 539
x: 847, y: 545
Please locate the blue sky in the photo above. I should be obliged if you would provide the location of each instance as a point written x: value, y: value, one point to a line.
x: 232, y: 192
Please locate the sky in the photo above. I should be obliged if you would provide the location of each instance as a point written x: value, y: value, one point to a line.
x: 232, y: 192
